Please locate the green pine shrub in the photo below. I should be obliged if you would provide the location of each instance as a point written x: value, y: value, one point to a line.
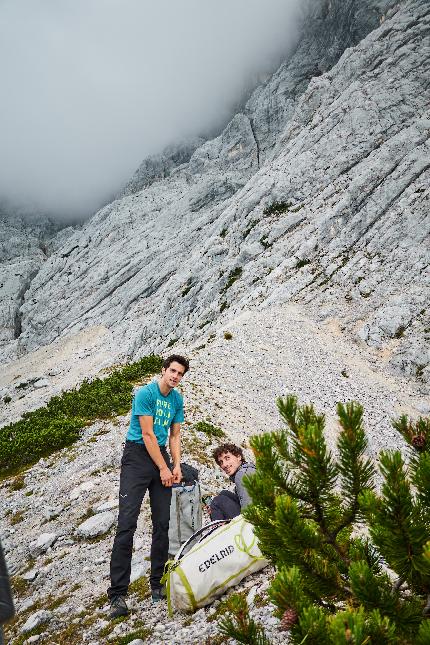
x: 60, y: 423
x: 353, y: 564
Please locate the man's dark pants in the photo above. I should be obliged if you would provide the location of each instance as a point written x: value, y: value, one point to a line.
x: 139, y: 474
x: 225, y: 506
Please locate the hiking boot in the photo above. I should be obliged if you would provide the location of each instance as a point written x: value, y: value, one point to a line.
x: 118, y: 607
x: 157, y: 594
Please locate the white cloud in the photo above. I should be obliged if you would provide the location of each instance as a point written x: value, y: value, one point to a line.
x: 90, y: 87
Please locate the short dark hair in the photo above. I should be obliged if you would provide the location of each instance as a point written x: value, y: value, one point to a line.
x: 228, y: 447
x: 176, y: 358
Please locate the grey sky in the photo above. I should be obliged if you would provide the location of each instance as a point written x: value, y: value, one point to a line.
x: 90, y: 87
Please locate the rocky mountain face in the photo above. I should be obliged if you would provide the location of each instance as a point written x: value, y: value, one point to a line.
x: 317, y: 192
x: 24, y: 247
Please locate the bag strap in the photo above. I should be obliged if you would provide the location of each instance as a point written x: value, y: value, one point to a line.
x: 212, y: 525
x: 178, y: 518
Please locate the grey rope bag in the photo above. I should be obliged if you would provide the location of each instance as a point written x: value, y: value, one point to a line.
x: 185, y: 509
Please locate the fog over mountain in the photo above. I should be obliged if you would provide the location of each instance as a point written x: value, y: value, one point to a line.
x: 89, y: 88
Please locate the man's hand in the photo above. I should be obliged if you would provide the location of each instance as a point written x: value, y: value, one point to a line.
x: 166, y: 476
x: 177, y: 474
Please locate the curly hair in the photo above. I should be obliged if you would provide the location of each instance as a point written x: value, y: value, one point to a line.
x: 228, y: 447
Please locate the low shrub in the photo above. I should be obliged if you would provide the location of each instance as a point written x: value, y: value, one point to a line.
x: 302, y: 263
x: 264, y: 242
x: 276, y: 208
x: 60, y: 423
x: 234, y: 275
x: 208, y: 429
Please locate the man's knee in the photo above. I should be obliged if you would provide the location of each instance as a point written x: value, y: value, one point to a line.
x: 127, y: 521
x: 224, y: 506
x: 161, y: 524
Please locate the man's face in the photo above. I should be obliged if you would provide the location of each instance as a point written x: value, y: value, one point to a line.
x: 173, y: 374
x: 229, y: 463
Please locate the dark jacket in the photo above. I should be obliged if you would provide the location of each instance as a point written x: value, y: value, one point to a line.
x: 6, y: 603
x: 241, y: 492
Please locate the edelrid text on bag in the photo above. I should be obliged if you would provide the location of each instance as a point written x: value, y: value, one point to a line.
x: 220, y: 561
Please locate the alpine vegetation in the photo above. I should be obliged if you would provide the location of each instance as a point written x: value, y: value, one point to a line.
x: 353, y: 564
x: 61, y: 421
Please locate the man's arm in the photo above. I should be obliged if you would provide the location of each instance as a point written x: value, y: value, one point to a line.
x: 175, y: 451
x: 242, y: 493
x: 151, y: 444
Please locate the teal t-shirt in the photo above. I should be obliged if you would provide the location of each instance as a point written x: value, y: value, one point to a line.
x: 165, y: 410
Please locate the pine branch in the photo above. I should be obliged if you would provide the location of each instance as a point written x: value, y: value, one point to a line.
x: 396, y: 524
x: 239, y: 625
x: 302, y: 545
x: 420, y: 478
x: 356, y: 472
x: 416, y: 434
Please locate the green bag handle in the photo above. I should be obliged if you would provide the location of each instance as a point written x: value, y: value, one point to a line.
x: 169, y: 568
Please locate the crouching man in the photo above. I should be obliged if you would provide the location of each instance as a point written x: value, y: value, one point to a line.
x: 156, y: 414
x: 227, y: 504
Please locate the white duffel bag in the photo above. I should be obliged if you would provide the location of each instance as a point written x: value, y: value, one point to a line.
x: 198, y: 575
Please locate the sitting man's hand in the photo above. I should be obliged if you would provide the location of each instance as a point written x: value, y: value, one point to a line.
x: 166, y: 476
x: 177, y: 474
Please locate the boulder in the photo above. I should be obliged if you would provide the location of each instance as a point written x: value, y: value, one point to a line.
x: 105, y: 506
x: 30, y: 575
x: 96, y: 525
x: 41, y: 382
x: 38, y: 618
x: 43, y: 543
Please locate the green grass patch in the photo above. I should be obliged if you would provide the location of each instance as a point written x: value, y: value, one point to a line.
x: 188, y: 287
x: 60, y: 423
x: 105, y: 631
x: 17, y: 517
x: 277, y: 207
x: 400, y: 332
x: 232, y: 277
x: 208, y: 429
x: 302, y: 263
x: 141, y: 632
x: 195, y: 447
x: 17, y: 482
x: 264, y: 242
x: 141, y: 588
x: 253, y: 223
x: 19, y: 585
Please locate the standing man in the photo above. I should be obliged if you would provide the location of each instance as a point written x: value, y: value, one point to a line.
x: 156, y: 414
